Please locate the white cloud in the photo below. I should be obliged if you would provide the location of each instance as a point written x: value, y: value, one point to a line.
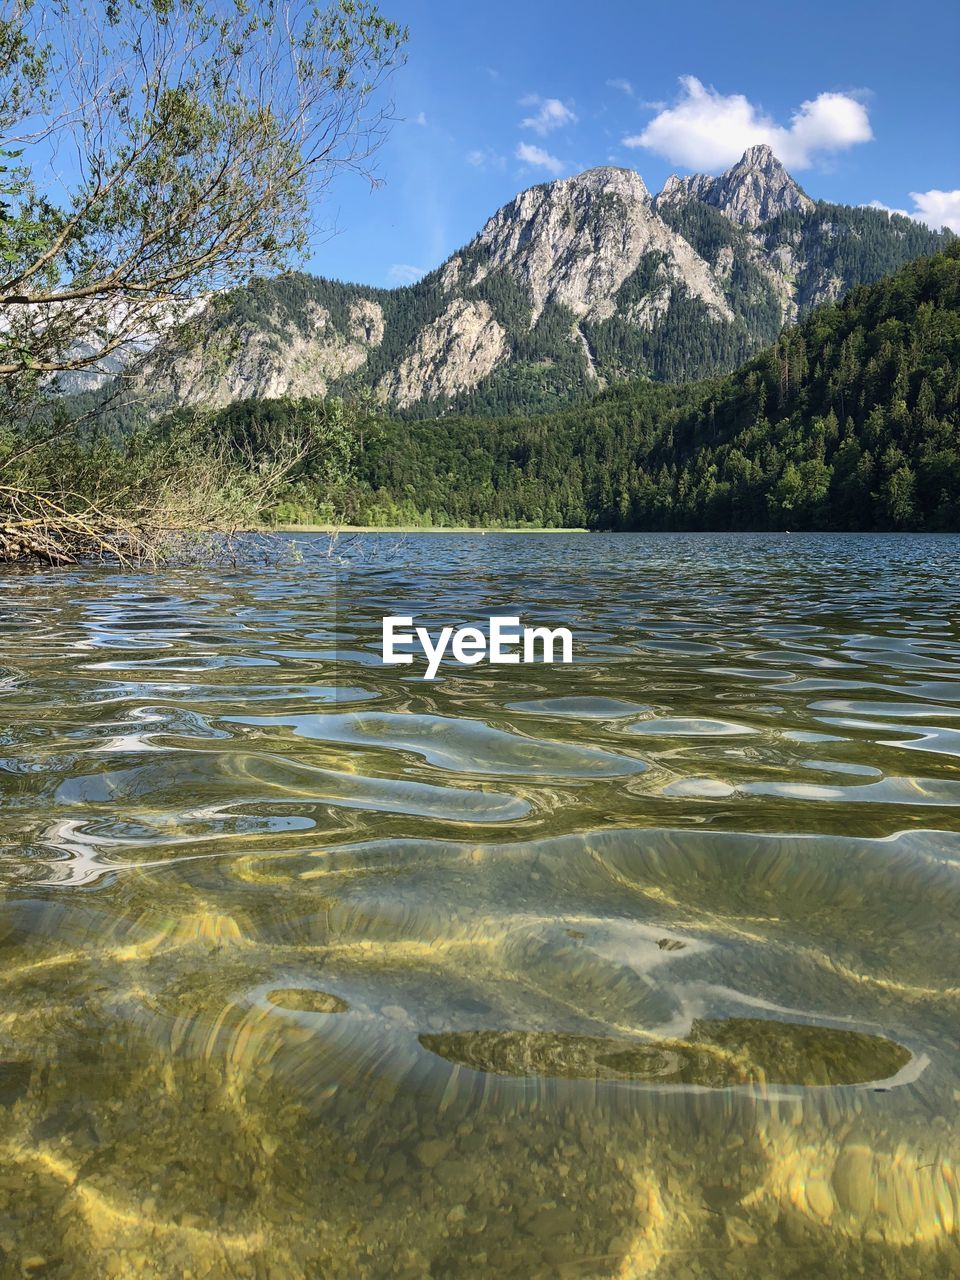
x: 537, y: 158
x: 878, y: 204
x: 936, y: 209
x: 403, y: 273
x: 420, y: 118
x: 623, y: 85
x: 710, y: 130
x: 552, y: 115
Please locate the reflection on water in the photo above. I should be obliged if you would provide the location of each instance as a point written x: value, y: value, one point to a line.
x: 640, y: 967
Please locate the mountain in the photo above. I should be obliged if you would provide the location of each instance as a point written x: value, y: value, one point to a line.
x: 850, y: 420
x: 572, y: 286
x: 755, y: 190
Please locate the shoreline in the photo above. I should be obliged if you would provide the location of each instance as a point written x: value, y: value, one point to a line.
x: 404, y: 528
x: 666, y: 533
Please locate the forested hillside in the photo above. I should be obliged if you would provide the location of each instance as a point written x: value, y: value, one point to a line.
x: 849, y: 421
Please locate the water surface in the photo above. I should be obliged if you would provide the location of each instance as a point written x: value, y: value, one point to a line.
x: 645, y: 966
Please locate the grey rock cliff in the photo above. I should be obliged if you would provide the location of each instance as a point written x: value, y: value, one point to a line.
x: 456, y: 351
x: 756, y: 189
x: 575, y: 242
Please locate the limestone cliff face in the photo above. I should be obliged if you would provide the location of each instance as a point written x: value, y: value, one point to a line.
x: 366, y: 323
x: 577, y: 241
x: 459, y: 349
x: 268, y: 360
x: 755, y: 190
x: 571, y: 285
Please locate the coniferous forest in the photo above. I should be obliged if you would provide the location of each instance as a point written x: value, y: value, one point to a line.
x: 849, y: 421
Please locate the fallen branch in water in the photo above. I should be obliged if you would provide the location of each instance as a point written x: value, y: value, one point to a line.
x: 192, y: 490
x: 198, y: 509
x: 35, y: 526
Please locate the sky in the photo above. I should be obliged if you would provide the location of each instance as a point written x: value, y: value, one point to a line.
x: 861, y: 102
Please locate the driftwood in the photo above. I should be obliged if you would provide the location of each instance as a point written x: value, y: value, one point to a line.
x: 195, y: 511
x: 56, y: 531
x: 22, y: 542
x: 63, y: 538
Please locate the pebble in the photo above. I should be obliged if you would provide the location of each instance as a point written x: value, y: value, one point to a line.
x: 396, y: 1014
x: 431, y: 1152
x: 853, y: 1180
x: 820, y: 1199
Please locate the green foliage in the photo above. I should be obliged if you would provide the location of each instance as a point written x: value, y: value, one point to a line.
x: 260, y: 462
x: 849, y: 421
x: 848, y: 244
x: 188, y: 176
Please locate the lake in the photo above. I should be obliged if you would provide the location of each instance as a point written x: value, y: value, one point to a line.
x: 641, y: 966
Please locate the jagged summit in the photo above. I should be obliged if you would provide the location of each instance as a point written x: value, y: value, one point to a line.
x: 761, y: 154
x: 605, y: 174
x: 752, y: 191
x: 601, y: 178
x: 575, y: 241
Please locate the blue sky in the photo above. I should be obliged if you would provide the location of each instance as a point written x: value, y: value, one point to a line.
x: 860, y: 100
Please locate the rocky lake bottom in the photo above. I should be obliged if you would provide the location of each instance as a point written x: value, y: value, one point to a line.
x: 643, y: 966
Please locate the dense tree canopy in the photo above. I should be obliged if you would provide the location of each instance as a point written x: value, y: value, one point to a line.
x: 848, y: 421
x: 153, y: 152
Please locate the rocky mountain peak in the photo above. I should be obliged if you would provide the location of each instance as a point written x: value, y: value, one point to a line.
x: 571, y: 285
x: 761, y: 156
x: 752, y: 191
x: 575, y: 241
x: 608, y: 177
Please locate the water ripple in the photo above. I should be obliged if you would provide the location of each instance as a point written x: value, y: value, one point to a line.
x: 642, y: 966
